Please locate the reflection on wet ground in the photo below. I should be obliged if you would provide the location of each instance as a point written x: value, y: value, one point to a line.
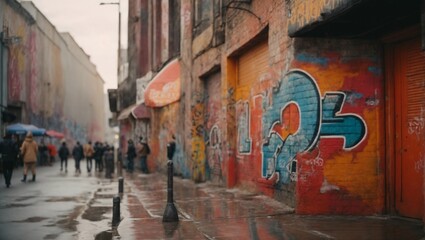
x: 209, y: 212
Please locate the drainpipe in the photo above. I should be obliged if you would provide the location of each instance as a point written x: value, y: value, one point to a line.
x: 1, y: 80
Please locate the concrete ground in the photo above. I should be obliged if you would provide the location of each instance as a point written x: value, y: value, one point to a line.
x: 65, y: 205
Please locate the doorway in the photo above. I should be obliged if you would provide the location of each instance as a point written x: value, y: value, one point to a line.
x: 406, y: 125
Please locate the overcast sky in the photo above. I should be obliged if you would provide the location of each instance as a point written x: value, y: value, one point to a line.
x: 94, y: 27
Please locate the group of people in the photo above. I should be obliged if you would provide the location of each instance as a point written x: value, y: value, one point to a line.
x: 30, y: 153
x: 142, y: 150
x: 103, y: 155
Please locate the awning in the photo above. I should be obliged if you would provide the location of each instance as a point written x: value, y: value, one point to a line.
x: 141, y: 112
x: 165, y: 86
x: 55, y: 134
x: 126, y: 112
x: 21, y: 129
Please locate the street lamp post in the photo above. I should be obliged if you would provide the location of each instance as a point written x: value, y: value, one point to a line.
x: 119, y: 34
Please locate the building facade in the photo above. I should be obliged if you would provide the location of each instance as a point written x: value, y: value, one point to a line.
x: 318, y: 105
x: 47, y: 79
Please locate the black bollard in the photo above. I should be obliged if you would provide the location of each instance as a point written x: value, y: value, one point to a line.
x: 120, y: 185
x: 170, y: 213
x: 116, y: 211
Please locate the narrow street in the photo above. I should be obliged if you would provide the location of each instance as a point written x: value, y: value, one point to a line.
x: 63, y: 205
x: 56, y: 206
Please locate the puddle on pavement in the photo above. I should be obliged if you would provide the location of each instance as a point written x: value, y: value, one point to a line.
x: 96, y: 213
x: 21, y: 199
x: 15, y: 205
x: 51, y: 236
x: 32, y: 219
x: 108, y: 235
x: 63, y: 199
x: 69, y: 221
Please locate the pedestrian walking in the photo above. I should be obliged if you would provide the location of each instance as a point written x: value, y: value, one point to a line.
x: 98, y: 157
x: 43, y: 153
x: 29, y: 150
x: 88, y: 154
x: 131, y: 154
x: 64, y: 154
x: 9, y: 150
x: 143, y: 151
x: 109, y: 161
x: 77, y: 153
x: 171, y: 147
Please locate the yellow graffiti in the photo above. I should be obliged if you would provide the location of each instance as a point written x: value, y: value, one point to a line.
x: 198, y: 158
x: 345, y: 169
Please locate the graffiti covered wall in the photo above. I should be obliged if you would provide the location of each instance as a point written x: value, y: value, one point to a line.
x: 346, y: 162
x: 312, y: 133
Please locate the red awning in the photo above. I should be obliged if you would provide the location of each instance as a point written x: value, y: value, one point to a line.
x: 53, y: 133
x: 165, y: 86
x: 141, y: 112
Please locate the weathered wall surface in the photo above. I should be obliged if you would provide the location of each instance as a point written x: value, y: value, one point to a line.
x: 21, y: 58
x: 307, y: 130
x: 83, y: 96
x: 51, y: 78
x: 344, y: 159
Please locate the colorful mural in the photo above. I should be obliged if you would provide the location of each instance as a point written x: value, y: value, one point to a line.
x: 297, y: 118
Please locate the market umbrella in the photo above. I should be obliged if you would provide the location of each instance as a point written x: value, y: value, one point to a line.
x: 55, y: 134
x: 21, y: 129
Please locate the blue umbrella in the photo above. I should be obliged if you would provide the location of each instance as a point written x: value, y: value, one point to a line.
x: 21, y: 129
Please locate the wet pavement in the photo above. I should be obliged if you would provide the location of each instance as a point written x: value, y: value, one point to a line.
x: 209, y: 212
x: 69, y: 206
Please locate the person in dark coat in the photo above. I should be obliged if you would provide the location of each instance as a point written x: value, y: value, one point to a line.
x: 43, y: 153
x: 109, y: 161
x: 78, y: 154
x: 64, y: 154
x: 171, y: 147
x: 9, y: 150
x: 98, y: 157
x: 131, y: 154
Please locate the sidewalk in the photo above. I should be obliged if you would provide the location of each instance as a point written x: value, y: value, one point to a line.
x: 209, y: 212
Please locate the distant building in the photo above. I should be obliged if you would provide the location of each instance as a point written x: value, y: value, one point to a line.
x: 46, y: 78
